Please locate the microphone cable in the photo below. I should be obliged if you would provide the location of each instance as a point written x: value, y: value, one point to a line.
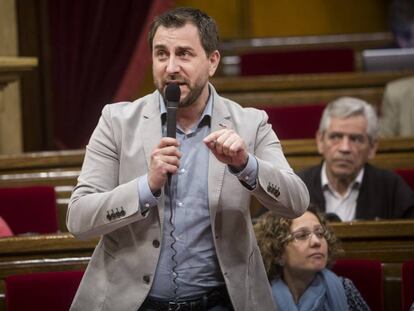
x: 173, y: 238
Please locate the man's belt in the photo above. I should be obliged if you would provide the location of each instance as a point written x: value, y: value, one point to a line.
x: 202, y: 303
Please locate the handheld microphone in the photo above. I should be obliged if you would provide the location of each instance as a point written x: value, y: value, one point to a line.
x: 172, y: 96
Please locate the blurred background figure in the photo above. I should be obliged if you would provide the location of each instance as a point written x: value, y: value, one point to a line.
x: 296, y: 253
x: 401, y: 16
x: 397, y: 109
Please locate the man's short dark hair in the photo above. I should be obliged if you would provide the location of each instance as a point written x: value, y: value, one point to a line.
x: 179, y: 17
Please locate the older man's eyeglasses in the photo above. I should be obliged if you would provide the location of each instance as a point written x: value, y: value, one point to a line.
x: 304, y: 235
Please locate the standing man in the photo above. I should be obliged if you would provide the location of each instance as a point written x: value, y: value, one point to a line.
x: 344, y: 183
x: 188, y: 244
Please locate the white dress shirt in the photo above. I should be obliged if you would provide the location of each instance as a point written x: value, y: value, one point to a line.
x: 342, y: 205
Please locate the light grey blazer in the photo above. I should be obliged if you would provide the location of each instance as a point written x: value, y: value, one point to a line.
x: 120, y: 273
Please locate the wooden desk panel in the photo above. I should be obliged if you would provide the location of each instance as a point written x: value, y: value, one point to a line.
x: 392, y: 242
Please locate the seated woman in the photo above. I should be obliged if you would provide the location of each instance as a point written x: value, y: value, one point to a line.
x: 295, y: 253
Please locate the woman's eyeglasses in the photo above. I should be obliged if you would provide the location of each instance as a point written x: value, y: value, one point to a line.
x: 304, y: 235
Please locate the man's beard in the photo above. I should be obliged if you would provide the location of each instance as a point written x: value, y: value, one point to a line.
x: 192, y: 96
x: 194, y: 92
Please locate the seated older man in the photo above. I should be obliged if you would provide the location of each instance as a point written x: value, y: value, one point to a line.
x: 344, y: 183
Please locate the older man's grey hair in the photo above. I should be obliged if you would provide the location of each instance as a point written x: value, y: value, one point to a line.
x: 345, y: 107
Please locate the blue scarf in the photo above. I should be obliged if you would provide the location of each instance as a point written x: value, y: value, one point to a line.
x: 324, y: 293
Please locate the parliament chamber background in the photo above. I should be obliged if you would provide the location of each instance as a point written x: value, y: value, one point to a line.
x: 53, y: 85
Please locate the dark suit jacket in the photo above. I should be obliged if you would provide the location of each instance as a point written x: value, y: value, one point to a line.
x: 383, y: 193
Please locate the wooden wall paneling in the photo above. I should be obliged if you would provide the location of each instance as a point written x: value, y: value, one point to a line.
x: 279, y: 18
x: 302, y: 17
x: 229, y: 15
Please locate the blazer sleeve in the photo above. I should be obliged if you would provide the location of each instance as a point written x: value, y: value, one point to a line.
x: 99, y: 204
x: 279, y: 188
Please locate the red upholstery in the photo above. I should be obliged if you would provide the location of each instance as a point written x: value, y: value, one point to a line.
x: 295, y: 122
x: 29, y: 209
x: 407, y: 285
x: 407, y: 175
x: 296, y: 62
x: 42, y: 291
x: 367, y: 276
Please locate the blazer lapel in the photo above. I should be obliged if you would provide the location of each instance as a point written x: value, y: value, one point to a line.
x: 151, y: 135
x: 220, y: 119
x: 152, y: 132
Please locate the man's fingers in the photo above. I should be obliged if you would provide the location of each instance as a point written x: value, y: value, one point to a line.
x: 228, y: 147
x: 228, y: 143
x: 167, y: 151
x: 231, y: 145
x: 168, y: 141
x: 212, y: 137
x: 170, y: 161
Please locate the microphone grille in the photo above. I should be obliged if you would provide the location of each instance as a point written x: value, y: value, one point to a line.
x: 172, y: 92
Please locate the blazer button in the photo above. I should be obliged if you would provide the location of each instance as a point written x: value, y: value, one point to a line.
x: 122, y: 211
x: 146, y: 278
x: 156, y: 243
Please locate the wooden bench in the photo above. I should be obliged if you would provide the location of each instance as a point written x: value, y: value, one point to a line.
x: 391, y: 242
x: 306, y: 88
x: 57, y: 168
x: 62, y: 168
x: 356, y: 41
x: 232, y: 50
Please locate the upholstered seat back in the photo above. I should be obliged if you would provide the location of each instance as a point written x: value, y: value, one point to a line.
x: 297, y: 61
x: 367, y: 276
x: 407, y: 285
x: 408, y: 175
x: 45, y: 291
x: 295, y: 121
x: 29, y: 209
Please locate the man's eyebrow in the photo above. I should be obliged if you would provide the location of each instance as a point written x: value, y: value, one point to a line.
x: 347, y: 134
x: 159, y: 46
x: 185, y: 47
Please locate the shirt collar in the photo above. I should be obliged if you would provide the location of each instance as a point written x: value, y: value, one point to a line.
x: 354, y: 185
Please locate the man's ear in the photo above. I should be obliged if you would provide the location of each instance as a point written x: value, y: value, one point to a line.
x: 214, y: 60
x: 373, y: 149
x: 319, y: 141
